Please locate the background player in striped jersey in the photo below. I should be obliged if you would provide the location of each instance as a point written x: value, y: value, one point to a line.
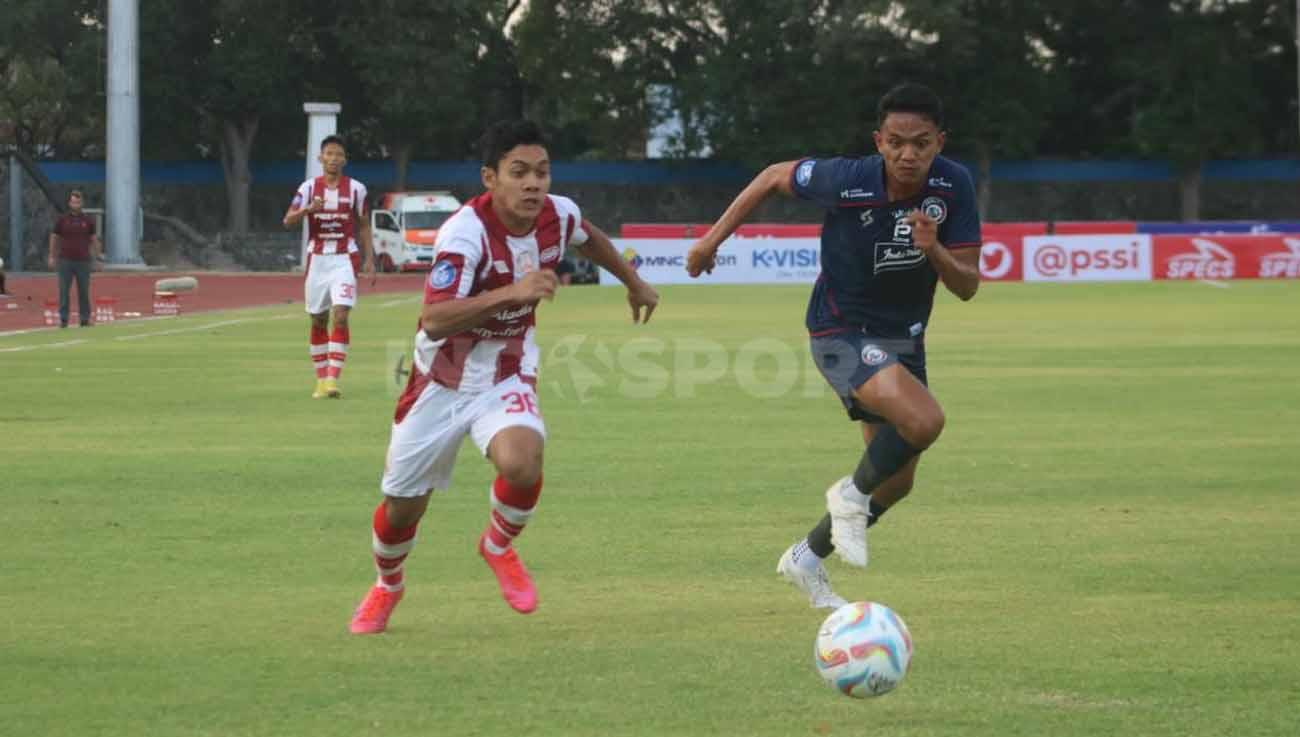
x: 897, y: 223
x: 475, y: 366
x: 338, y: 236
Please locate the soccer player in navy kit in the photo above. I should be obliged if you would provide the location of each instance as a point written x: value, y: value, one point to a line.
x: 897, y: 223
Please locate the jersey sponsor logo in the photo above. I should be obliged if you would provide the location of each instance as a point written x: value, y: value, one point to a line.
x: 443, y: 275
x: 893, y: 256
x: 857, y: 193
x: 550, y: 254
x: 803, y: 174
x: 1209, y: 261
x: 873, y: 355
x: 935, y: 208
x: 1282, y: 264
x: 940, y: 182
x: 508, y: 332
x: 516, y: 313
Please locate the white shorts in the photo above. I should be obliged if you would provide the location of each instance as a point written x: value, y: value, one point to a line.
x: 422, y: 449
x: 331, y: 280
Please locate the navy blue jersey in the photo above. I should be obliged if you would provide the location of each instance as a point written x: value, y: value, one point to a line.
x: 872, y: 277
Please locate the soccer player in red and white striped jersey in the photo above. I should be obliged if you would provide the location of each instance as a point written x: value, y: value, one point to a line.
x: 338, y: 236
x: 475, y: 367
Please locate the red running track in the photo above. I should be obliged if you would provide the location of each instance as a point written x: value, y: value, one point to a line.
x: 24, y: 307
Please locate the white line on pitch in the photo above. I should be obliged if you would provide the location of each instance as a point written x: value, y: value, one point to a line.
x: 194, y: 329
x: 63, y: 344
x: 1217, y: 283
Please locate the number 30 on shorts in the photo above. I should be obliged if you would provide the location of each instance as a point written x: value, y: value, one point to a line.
x: 520, y: 402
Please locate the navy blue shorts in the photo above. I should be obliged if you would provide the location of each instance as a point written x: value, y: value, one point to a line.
x: 850, y: 358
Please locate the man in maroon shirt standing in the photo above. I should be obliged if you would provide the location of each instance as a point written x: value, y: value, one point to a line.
x: 74, y: 245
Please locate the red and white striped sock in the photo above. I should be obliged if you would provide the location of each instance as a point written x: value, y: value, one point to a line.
x: 320, y: 347
x: 512, y: 506
x: 390, y: 546
x: 338, y: 350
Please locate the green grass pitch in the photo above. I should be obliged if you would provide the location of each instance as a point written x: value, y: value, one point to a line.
x: 1105, y: 541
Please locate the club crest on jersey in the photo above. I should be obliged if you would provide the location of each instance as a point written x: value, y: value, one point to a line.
x: 873, y: 355
x: 803, y: 174
x: 936, y: 208
x: 524, y: 263
x: 550, y: 254
x: 443, y: 275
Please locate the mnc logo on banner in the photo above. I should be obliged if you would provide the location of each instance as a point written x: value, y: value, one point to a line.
x: 740, y: 261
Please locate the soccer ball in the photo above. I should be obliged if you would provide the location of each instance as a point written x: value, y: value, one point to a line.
x: 863, y: 649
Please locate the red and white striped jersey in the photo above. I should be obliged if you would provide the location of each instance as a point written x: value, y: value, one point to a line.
x: 334, y: 228
x: 474, y: 253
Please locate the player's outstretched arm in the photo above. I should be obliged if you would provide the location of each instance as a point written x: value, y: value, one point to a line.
x: 448, y: 317
x: 775, y: 178
x: 601, y: 251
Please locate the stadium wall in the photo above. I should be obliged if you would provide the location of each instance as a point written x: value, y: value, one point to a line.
x: 613, y: 194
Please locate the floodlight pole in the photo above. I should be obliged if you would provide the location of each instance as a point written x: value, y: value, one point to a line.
x: 15, y: 214
x: 122, y: 177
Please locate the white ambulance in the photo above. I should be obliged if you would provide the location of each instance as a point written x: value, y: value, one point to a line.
x: 404, y: 225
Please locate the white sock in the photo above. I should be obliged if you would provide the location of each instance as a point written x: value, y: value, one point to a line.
x: 804, y: 558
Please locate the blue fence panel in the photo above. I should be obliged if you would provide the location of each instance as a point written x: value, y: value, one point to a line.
x: 1211, y: 227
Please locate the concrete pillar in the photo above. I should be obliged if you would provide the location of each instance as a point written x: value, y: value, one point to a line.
x: 322, y: 121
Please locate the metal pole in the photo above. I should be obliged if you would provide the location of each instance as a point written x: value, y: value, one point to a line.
x: 122, y: 185
x: 15, y: 215
x: 322, y: 120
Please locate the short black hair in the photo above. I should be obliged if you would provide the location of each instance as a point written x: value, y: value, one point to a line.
x: 504, y: 135
x: 910, y: 97
x: 327, y: 140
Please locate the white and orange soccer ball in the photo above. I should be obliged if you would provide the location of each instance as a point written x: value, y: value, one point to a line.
x: 863, y: 649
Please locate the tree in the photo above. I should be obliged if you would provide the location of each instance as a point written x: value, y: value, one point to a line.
x: 416, y: 73
x: 764, y: 80
x: 51, y: 78
x: 233, y: 64
x: 1201, y: 96
x: 988, y: 62
x: 581, y: 79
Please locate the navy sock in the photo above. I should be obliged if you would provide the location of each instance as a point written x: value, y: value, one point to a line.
x: 885, y: 455
x: 876, y: 510
x: 819, y: 540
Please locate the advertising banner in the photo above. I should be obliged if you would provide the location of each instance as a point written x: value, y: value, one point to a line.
x: 1088, y: 258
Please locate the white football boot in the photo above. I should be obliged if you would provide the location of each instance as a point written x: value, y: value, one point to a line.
x: 816, y: 584
x: 848, y: 508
